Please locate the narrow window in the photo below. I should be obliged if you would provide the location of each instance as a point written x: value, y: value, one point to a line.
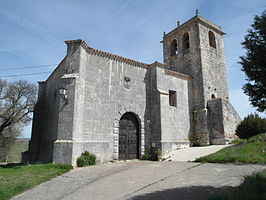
x: 173, y: 48
x: 185, y: 41
x: 172, y: 98
x: 212, y: 42
x: 213, y: 96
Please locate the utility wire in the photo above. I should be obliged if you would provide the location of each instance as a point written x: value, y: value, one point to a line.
x: 31, y: 74
x: 36, y: 66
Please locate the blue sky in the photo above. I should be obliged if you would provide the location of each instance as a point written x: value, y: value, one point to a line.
x: 33, y: 32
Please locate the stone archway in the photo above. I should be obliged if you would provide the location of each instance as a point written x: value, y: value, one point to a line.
x: 129, y: 131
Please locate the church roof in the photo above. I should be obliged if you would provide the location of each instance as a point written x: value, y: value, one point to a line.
x: 201, y: 20
x: 111, y: 56
x: 107, y: 54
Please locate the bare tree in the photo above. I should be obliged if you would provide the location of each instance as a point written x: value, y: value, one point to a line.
x: 17, y: 100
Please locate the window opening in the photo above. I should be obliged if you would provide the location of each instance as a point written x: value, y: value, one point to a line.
x: 212, y: 42
x: 185, y: 39
x: 173, y: 48
x: 172, y: 98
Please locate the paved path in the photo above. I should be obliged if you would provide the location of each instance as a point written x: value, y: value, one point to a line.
x: 190, y: 154
x: 142, y: 180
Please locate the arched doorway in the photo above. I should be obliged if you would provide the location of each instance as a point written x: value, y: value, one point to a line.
x: 128, y: 137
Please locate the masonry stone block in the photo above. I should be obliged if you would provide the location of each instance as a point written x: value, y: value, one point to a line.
x: 115, y: 137
x: 116, y: 130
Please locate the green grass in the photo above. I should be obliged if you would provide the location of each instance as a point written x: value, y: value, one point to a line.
x: 252, y: 150
x: 253, y: 187
x: 237, y: 141
x: 16, y: 178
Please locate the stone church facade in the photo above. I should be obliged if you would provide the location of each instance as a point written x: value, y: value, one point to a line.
x: 118, y: 108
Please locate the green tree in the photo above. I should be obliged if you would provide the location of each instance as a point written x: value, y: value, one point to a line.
x: 17, y: 100
x: 251, y: 125
x: 254, y: 62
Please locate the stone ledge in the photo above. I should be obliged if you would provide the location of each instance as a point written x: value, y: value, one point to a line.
x: 69, y: 76
x: 177, y: 74
x: 64, y: 141
x: 163, y: 92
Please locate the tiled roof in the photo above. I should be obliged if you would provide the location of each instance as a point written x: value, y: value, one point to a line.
x: 108, y: 55
x: 196, y: 19
x: 127, y: 60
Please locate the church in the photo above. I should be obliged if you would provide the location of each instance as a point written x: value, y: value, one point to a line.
x: 120, y: 109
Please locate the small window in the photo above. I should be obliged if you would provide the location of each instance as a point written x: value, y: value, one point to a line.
x: 185, y: 41
x: 173, y: 48
x: 172, y: 98
x: 212, y: 42
x: 213, y: 96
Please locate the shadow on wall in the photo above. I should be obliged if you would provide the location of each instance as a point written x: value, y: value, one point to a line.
x: 184, y: 193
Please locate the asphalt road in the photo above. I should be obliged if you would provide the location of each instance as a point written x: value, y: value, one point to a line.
x: 142, y: 180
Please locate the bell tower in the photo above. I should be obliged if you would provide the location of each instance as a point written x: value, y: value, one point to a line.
x: 196, y: 48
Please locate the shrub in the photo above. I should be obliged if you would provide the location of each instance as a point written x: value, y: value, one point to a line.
x: 146, y: 156
x: 251, y: 125
x: 86, y: 159
x: 159, y: 153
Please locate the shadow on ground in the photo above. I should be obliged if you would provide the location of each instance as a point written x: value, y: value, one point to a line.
x: 184, y: 193
x: 11, y: 165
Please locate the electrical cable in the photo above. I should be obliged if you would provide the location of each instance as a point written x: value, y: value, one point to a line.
x: 30, y: 74
x: 35, y: 66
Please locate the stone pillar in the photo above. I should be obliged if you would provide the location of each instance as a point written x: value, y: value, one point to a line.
x: 63, y: 146
x: 37, y: 126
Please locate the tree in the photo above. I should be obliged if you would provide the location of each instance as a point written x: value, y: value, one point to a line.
x: 17, y: 100
x: 251, y: 125
x: 254, y: 62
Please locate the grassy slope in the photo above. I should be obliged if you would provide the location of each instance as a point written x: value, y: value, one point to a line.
x: 252, y: 150
x: 16, y: 178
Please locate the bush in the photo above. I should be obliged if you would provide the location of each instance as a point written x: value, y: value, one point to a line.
x: 251, y: 125
x: 159, y: 153
x: 146, y: 156
x: 86, y: 159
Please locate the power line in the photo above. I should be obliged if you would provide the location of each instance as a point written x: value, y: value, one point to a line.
x: 35, y: 66
x: 31, y: 74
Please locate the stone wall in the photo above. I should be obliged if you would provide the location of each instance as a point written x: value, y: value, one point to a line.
x: 155, y: 106
x: 222, y: 121
x: 46, y: 123
x: 205, y: 63
x: 213, y: 65
x: 176, y: 121
x: 186, y: 61
x: 111, y: 88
